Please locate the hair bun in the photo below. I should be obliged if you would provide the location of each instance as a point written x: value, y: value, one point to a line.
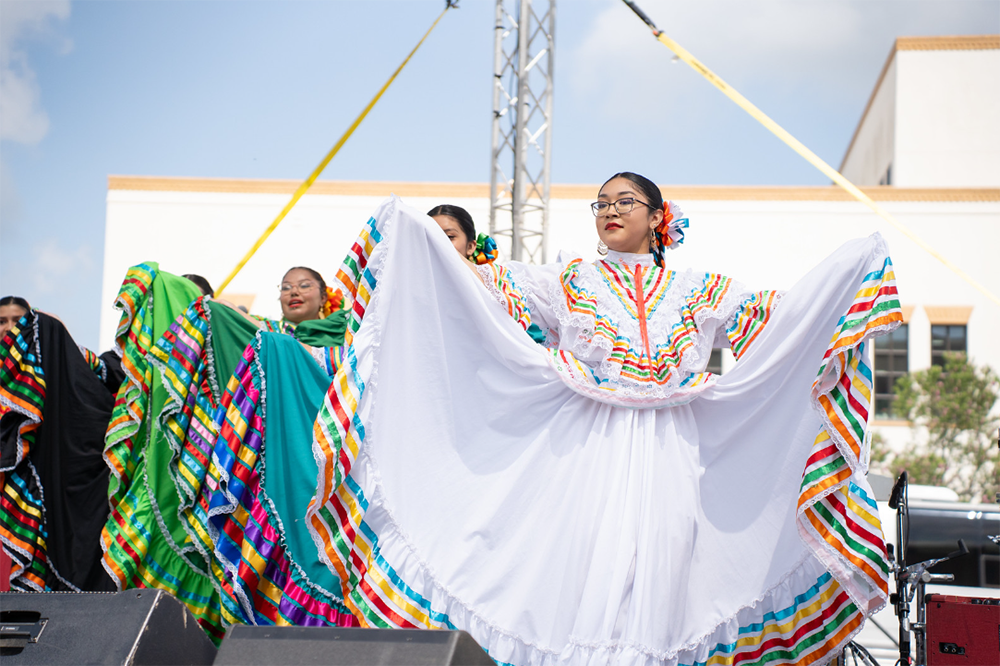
x: 486, y: 250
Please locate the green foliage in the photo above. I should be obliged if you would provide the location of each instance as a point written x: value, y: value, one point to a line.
x: 954, y: 407
x: 923, y: 468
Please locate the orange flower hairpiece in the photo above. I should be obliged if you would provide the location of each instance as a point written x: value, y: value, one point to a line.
x: 334, y: 301
x: 670, y: 232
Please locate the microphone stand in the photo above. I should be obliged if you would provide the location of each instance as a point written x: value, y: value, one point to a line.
x: 899, y: 599
x: 911, y: 580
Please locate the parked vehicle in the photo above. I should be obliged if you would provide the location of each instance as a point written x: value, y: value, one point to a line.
x: 936, y: 522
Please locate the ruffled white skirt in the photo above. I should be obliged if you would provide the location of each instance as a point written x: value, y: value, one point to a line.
x: 487, y: 495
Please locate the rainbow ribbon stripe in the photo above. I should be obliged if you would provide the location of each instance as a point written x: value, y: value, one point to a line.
x: 133, y: 340
x: 95, y: 362
x: 750, y: 320
x: 139, y: 550
x: 356, y: 279
x: 819, y: 622
x: 501, y: 284
x: 836, y: 517
x: 183, y: 357
x: 267, y: 587
x: 22, y: 513
x: 631, y: 355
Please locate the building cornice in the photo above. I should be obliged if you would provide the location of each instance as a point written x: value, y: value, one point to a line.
x: 286, y: 186
x: 949, y: 43
x: 481, y: 190
x: 939, y: 43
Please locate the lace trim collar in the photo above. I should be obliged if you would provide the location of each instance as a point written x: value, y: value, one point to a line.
x: 630, y: 258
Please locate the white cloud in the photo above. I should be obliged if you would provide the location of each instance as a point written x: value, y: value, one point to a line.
x: 10, y: 203
x: 22, y: 118
x: 51, y: 263
x: 835, y: 49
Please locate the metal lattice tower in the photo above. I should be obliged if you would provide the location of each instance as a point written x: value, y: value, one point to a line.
x: 522, y: 127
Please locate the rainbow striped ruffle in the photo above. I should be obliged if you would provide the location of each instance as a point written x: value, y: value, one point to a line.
x: 144, y: 543
x: 267, y: 587
x: 183, y: 355
x: 22, y: 513
x: 356, y: 278
x: 133, y: 340
x: 500, y: 283
x: 750, y: 320
x: 95, y: 362
x: 647, y: 366
x: 836, y: 517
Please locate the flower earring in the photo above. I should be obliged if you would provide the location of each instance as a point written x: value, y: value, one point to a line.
x: 602, y: 249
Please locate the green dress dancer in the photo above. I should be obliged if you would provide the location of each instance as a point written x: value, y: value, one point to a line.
x: 145, y: 540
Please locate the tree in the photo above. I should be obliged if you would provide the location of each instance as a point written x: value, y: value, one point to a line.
x: 954, y: 406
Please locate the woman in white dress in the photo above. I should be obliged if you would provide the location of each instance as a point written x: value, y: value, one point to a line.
x: 605, y: 500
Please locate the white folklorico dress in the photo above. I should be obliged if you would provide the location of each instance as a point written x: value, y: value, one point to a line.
x: 605, y: 500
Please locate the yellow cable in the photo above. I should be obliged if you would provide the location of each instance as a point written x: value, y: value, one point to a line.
x: 809, y: 155
x: 326, y: 160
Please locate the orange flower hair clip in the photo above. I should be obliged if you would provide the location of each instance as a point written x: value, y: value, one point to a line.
x: 334, y: 301
x: 669, y: 234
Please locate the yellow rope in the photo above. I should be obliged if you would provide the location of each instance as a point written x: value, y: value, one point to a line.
x: 307, y: 183
x: 798, y: 147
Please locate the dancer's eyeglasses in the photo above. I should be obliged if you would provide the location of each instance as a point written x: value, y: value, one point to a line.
x: 623, y: 206
x: 305, y: 285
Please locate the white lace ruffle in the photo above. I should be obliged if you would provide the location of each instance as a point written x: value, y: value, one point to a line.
x: 490, y: 282
x: 577, y: 335
x: 507, y: 646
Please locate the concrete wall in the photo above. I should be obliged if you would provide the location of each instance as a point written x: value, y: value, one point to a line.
x: 947, y: 119
x: 934, y: 116
x: 767, y: 243
x: 872, y: 149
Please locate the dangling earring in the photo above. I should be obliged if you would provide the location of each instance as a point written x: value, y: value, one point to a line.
x: 602, y: 249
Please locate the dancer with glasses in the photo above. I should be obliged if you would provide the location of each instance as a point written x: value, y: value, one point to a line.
x: 607, y: 500
x: 303, y: 295
x: 268, y: 570
x: 181, y: 362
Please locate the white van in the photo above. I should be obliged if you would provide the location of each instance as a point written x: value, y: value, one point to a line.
x: 937, y: 521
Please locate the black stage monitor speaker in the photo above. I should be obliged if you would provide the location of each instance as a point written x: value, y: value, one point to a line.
x: 253, y: 646
x: 134, y: 627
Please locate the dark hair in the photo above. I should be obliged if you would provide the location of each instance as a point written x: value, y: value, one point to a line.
x: 460, y: 215
x: 651, y: 191
x: 15, y: 300
x: 316, y: 276
x: 202, y: 283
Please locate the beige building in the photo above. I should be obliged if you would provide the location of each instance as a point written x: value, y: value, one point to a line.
x: 933, y: 119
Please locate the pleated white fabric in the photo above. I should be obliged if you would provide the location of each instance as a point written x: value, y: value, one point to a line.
x: 557, y: 528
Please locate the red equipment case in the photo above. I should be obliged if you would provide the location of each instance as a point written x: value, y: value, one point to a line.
x: 962, y: 630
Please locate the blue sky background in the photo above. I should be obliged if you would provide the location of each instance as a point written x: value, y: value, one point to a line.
x: 263, y: 89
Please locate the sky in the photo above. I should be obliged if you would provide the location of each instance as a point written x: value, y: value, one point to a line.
x: 264, y: 88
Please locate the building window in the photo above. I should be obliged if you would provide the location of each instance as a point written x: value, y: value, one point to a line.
x: 886, y: 178
x: 715, y: 362
x: 891, y: 363
x: 946, y: 338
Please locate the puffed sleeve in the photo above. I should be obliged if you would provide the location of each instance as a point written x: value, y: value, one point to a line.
x: 750, y: 318
x: 502, y: 286
x: 541, y: 286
